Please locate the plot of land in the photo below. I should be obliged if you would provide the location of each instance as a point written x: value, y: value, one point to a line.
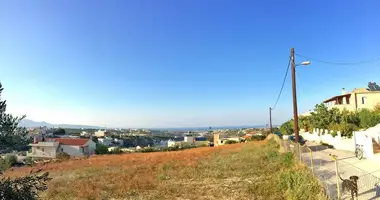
x: 239, y: 171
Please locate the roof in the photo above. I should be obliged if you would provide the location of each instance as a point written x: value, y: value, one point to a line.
x: 69, y: 141
x: 334, y: 97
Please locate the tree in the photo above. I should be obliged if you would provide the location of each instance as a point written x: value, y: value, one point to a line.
x: 305, y: 123
x: 101, y: 149
x: 59, y: 131
x: 13, y: 137
x: 368, y: 118
x: 95, y: 139
x: 287, y: 128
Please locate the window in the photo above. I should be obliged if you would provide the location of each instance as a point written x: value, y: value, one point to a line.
x: 42, y: 149
x: 364, y: 100
x: 61, y: 149
x: 347, y: 100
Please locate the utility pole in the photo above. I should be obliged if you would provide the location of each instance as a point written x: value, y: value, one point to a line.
x: 270, y: 119
x: 295, y: 110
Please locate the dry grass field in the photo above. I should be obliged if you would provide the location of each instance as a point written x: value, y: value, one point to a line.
x: 239, y: 171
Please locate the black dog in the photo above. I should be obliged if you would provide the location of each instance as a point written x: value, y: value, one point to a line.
x: 350, y: 185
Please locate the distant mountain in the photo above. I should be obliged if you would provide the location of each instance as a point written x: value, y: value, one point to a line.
x: 31, y: 124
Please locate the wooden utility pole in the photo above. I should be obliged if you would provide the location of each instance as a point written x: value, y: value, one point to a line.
x: 270, y: 120
x: 295, y: 110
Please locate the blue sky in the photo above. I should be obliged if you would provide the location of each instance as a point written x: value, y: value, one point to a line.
x: 172, y: 63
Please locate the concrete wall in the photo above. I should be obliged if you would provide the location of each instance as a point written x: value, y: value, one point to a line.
x: 347, y: 144
x: 216, y: 139
x: 189, y: 139
x: 71, y: 150
x: 362, y: 138
x: 91, y: 145
x: 43, y: 151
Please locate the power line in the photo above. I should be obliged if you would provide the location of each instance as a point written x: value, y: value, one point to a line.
x: 282, y: 87
x: 338, y: 63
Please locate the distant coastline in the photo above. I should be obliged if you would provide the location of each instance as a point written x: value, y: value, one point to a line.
x: 207, y: 128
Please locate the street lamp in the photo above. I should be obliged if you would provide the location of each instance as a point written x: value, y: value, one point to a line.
x: 304, y: 63
x: 295, y: 110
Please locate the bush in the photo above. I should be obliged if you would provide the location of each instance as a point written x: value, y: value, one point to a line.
x: 298, y: 184
x: 348, y: 129
x: 287, y: 128
x: 10, y: 159
x: 287, y: 159
x: 29, y: 161
x: 101, y: 149
x: 116, y: 151
x: 25, y: 188
x: 368, y: 118
x: 230, y: 142
x: 7, y: 162
x: 63, y: 156
x: 148, y: 149
x: 258, y: 137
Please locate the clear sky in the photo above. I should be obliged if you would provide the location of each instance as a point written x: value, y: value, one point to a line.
x: 173, y: 63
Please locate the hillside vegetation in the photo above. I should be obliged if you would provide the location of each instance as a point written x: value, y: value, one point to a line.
x: 252, y: 170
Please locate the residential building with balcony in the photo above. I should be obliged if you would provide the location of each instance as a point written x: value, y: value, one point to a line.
x: 357, y: 99
x: 51, y: 147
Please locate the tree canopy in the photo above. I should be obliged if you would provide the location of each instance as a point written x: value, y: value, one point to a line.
x: 336, y: 120
x: 13, y: 137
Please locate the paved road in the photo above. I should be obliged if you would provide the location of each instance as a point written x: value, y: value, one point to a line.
x: 368, y: 171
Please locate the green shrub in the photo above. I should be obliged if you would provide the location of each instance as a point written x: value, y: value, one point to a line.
x: 148, y: 149
x: 287, y: 128
x: 298, y: 184
x: 230, y: 142
x: 368, y: 118
x: 63, y: 156
x: 7, y: 162
x: 29, y: 161
x: 258, y: 137
x: 116, y: 150
x: 10, y: 159
x: 273, y: 155
x: 101, y: 149
x: 26, y: 187
x: 287, y: 159
x: 348, y: 130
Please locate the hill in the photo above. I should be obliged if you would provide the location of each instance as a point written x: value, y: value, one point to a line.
x: 240, y: 171
x: 31, y: 124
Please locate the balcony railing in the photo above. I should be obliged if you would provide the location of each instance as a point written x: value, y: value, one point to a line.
x: 40, y: 154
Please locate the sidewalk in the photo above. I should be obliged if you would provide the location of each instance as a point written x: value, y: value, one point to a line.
x: 368, y: 171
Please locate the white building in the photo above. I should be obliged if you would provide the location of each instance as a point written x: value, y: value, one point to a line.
x: 50, y: 147
x: 171, y: 143
x: 189, y: 139
x: 101, y: 133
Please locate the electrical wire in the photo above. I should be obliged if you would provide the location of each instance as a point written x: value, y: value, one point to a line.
x: 338, y: 63
x: 282, y: 86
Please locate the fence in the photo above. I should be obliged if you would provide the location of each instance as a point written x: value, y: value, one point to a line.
x: 328, y: 169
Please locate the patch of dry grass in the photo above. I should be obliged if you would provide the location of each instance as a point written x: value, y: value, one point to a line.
x: 238, y: 171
